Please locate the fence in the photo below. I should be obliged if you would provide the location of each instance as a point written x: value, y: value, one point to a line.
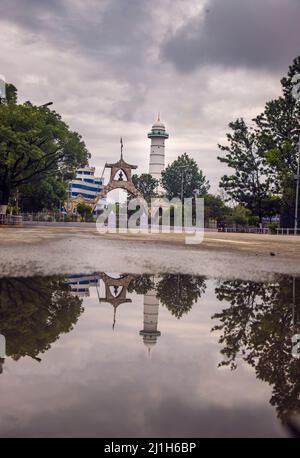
x: 288, y: 231
x: 50, y: 217
x: 10, y: 219
x: 248, y: 230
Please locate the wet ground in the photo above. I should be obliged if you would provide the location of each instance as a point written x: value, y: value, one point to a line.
x: 53, y: 250
x: 114, y: 336
x: 122, y: 355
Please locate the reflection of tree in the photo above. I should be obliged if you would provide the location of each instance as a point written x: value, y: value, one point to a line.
x: 34, y: 312
x: 179, y: 292
x: 258, y: 327
x: 141, y: 284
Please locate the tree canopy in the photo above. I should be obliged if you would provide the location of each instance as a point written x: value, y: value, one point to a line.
x: 34, y: 312
x: 146, y: 184
x: 264, y: 157
x: 35, y: 143
x: 257, y: 327
x: 183, y: 176
x: 180, y: 292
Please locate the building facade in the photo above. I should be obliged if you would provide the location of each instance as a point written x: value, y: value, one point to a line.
x: 85, y: 184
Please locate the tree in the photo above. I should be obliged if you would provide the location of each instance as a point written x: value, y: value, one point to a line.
x: 146, y: 184
x: 184, y: 175
x: 277, y: 135
x: 248, y: 185
x: 214, y: 207
x: 34, y: 312
x: 48, y: 193
x: 180, y: 292
x: 257, y: 327
x: 141, y: 284
x: 239, y: 215
x: 11, y: 93
x: 35, y: 143
x: 84, y: 211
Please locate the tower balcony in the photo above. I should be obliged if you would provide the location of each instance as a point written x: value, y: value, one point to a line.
x: 158, y: 134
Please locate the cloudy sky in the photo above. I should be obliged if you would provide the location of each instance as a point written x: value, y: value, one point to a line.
x: 110, y: 65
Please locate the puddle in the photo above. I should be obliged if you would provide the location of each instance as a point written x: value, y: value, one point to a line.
x: 117, y: 355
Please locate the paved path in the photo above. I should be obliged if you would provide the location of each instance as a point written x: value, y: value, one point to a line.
x: 49, y: 250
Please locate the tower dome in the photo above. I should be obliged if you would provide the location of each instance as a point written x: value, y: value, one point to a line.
x: 158, y: 125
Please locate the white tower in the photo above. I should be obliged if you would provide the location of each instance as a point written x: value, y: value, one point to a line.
x: 158, y: 136
x: 150, y: 332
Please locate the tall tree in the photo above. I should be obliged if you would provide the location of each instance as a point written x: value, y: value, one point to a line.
x: 277, y: 133
x: 180, y: 292
x: 214, y: 208
x: 35, y: 143
x: 34, y: 312
x: 183, y: 176
x: 249, y: 184
x: 146, y: 184
x: 48, y: 193
x: 257, y: 326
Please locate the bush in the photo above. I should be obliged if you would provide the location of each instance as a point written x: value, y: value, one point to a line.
x: 273, y: 228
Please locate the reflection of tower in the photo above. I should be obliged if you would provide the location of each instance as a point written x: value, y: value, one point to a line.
x: 2, y: 361
x: 150, y: 332
x: 158, y: 136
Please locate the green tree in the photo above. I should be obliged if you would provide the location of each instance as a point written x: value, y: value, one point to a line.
x: 248, y: 185
x: 85, y: 211
x: 35, y: 143
x: 239, y: 215
x: 34, y: 312
x: 11, y: 93
x: 146, y: 184
x: 49, y: 193
x: 277, y: 135
x: 184, y: 175
x: 214, y: 207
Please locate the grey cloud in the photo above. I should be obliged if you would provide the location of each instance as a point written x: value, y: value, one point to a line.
x: 235, y: 33
x: 115, y: 30
x: 103, y: 64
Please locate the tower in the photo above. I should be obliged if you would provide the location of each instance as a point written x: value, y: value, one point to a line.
x: 150, y: 332
x: 158, y: 136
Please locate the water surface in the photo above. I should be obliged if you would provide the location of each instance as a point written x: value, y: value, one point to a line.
x: 116, y: 355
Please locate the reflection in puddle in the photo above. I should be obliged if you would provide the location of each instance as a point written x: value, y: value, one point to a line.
x: 195, y: 324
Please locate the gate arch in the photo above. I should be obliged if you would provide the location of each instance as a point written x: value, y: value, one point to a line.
x: 113, y: 184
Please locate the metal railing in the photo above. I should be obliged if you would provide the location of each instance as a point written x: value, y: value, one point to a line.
x: 54, y: 217
x: 288, y: 231
x: 247, y: 230
x: 10, y: 219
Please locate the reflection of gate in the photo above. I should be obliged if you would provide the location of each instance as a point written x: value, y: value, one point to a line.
x: 116, y: 291
x: 120, y: 178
